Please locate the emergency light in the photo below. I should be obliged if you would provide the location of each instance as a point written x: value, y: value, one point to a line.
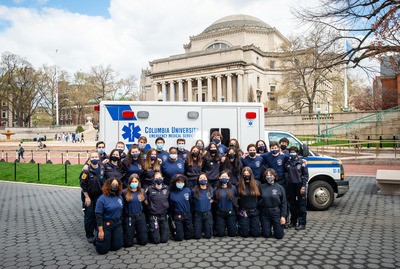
x: 128, y: 114
x: 251, y: 115
x: 96, y: 108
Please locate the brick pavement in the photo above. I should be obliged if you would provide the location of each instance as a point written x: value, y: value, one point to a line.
x: 41, y: 227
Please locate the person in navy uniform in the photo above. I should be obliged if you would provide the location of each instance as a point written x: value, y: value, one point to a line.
x: 253, y: 161
x: 114, y: 166
x: 157, y: 197
x: 249, y: 196
x: 217, y: 138
x: 202, y: 198
x: 193, y: 167
x: 211, y: 164
x: 101, y: 149
x: 132, y: 164
x: 91, y: 182
x: 225, y: 197
x: 109, y: 217
x: 182, y: 152
x: 150, y: 166
x: 134, y: 220
x: 233, y: 165
x: 261, y: 147
x: 180, y: 198
x: 142, y: 143
x: 161, y: 153
x: 283, y: 144
x: 297, y: 177
x: 172, y: 166
x: 272, y: 206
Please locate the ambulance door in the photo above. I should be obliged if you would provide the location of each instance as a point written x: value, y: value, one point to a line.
x: 222, y: 119
x: 249, y: 125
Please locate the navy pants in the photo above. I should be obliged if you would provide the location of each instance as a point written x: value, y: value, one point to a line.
x: 158, y: 228
x: 249, y: 223
x: 112, y: 237
x: 298, y: 204
x: 270, y: 218
x: 283, y: 182
x: 89, y: 217
x: 203, y: 223
x: 183, y: 226
x: 135, y: 225
x: 225, y: 220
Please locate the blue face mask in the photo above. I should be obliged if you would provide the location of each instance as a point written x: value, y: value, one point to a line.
x: 261, y: 148
x: 121, y: 150
x: 275, y: 151
x: 180, y: 185
x: 101, y: 150
x: 160, y: 146
x: 135, y: 155
x: 224, y: 180
x: 293, y: 155
x: 134, y: 185
x: 94, y: 161
x: 216, y: 141
x: 159, y: 181
x: 203, y: 181
x: 181, y: 147
x: 153, y: 158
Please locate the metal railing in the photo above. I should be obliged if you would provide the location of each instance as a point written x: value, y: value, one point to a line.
x: 46, y: 156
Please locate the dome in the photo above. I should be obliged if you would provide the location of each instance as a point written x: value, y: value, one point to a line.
x: 234, y: 21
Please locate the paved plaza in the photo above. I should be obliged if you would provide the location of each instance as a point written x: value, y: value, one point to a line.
x: 42, y: 227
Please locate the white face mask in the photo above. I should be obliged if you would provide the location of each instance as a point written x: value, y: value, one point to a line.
x: 173, y: 156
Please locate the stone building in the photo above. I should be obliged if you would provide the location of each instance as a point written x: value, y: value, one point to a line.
x: 235, y: 59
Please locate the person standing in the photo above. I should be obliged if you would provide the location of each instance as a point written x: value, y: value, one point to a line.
x: 182, y: 152
x: 132, y: 164
x: 180, y: 198
x: 150, y: 166
x: 273, y: 206
x: 253, y: 161
x: 202, y: 198
x: 109, y: 217
x: 91, y: 182
x: 297, y: 177
x: 172, y: 166
x: 161, y: 153
x: 158, y: 205
x: 211, y: 164
x: 217, y: 138
x: 249, y: 196
x: 113, y: 168
x: 193, y: 167
x: 20, y: 152
x: 233, y: 165
x: 134, y: 220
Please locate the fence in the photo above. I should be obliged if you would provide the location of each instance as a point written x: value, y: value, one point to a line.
x: 46, y: 156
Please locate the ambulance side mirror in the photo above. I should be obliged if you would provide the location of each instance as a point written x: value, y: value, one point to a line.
x: 305, y: 150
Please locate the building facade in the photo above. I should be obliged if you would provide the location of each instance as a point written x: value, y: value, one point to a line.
x: 235, y: 59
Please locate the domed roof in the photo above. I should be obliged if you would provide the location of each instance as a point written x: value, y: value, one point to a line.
x: 234, y: 21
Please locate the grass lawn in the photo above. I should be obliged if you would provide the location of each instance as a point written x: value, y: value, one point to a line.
x: 55, y: 174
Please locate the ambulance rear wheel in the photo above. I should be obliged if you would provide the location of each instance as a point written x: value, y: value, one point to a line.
x: 320, y: 195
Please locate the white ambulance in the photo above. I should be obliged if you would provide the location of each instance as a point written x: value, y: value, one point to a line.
x: 128, y: 120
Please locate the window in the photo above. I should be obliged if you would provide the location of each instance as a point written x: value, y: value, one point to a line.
x: 226, y: 134
x: 217, y: 46
x: 272, y: 88
x: 258, y: 82
x: 292, y: 141
x: 4, y: 114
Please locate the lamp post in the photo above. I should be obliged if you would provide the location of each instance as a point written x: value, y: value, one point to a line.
x: 319, y: 123
x: 160, y: 96
x: 222, y: 99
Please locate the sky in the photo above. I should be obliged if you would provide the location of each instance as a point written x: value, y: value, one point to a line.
x: 125, y: 34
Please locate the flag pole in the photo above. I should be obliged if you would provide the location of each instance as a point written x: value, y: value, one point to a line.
x: 346, y: 103
x: 56, y: 96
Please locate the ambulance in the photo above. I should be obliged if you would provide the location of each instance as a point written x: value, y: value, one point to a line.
x: 127, y: 121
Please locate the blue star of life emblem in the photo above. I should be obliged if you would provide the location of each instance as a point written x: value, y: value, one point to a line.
x: 131, y: 132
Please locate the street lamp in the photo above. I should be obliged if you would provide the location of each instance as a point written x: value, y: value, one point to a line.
x: 222, y: 98
x: 318, y: 117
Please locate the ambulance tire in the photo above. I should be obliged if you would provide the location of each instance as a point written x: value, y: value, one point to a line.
x: 320, y: 195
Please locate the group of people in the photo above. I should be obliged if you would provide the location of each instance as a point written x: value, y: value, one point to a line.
x: 69, y: 137
x: 208, y: 191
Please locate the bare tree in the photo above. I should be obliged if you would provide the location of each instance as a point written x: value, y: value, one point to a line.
x: 371, y: 26
x: 79, y: 94
x: 104, y: 81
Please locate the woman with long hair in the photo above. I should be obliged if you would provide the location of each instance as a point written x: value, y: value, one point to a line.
x: 212, y: 164
x: 114, y: 166
x: 150, y: 166
x: 233, y: 164
x: 193, y: 166
x: 132, y: 164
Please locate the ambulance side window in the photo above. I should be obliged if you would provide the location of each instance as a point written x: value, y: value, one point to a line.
x: 292, y: 141
x: 226, y: 134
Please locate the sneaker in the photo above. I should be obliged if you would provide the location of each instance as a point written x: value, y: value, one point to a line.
x: 291, y: 225
x: 300, y: 227
x: 90, y: 239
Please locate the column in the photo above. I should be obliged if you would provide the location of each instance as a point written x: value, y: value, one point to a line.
x: 240, y: 87
x: 171, y: 91
x: 219, y: 88
x: 155, y: 91
x: 199, y: 90
x: 229, y: 87
x: 180, y: 89
x: 190, y: 92
x: 164, y: 91
x: 209, y: 89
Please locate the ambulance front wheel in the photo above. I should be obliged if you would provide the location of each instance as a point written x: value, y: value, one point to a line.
x: 320, y: 195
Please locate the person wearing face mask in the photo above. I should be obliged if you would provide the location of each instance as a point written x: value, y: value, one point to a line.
x: 161, y: 153
x: 157, y: 197
x: 150, y: 166
x: 200, y: 145
x: 253, y: 161
x: 249, y: 196
x: 91, y: 182
x: 211, y: 164
x: 297, y: 177
x: 261, y: 147
x: 216, y: 137
x: 225, y: 197
x: 109, y: 215
x: 132, y: 164
x: 134, y: 220
x: 113, y: 168
x: 120, y: 146
x: 235, y: 143
x: 283, y: 144
x: 101, y: 149
x: 275, y: 160
x: 172, y: 166
x: 182, y: 152
x: 180, y: 198
x: 193, y: 166
x: 273, y: 206
x: 233, y: 165
x: 202, y: 198
x: 144, y: 148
